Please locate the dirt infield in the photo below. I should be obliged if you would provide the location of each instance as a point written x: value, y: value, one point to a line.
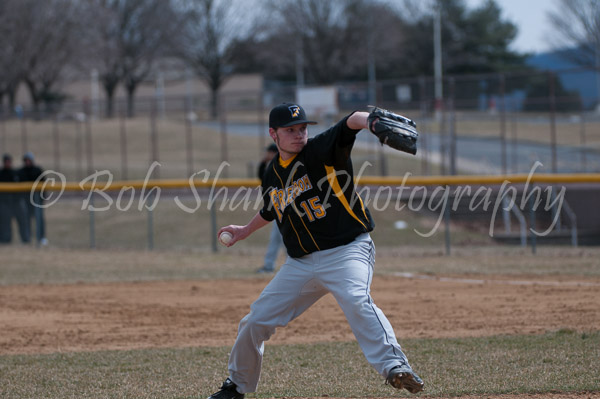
x: 88, y: 317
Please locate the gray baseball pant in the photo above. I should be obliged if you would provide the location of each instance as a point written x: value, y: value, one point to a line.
x: 346, y: 272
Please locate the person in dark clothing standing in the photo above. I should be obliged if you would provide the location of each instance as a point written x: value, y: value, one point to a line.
x: 275, y: 240
x: 31, y: 203
x: 270, y: 152
x: 7, y: 200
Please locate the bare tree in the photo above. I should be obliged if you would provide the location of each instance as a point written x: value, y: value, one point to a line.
x: 10, y: 63
x: 375, y: 35
x: 124, y: 40
x: 315, y: 30
x: 101, y: 47
x: 210, y: 28
x: 50, y: 42
x: 39, y: 40
x: 577, y: 24
x: 335, y: 39
x: 149, y: 27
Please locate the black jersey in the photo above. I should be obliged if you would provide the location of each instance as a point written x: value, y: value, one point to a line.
x: 313, y: 198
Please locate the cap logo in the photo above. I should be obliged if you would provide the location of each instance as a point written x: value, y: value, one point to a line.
x: 295, y: 110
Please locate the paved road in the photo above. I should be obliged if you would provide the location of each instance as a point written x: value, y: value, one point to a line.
x: 487, y: 152
x: 480, y: 155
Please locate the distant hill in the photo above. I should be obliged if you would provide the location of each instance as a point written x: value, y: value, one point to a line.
x: 573, y: 76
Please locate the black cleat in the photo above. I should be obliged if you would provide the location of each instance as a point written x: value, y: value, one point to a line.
x: 227, y: 391
x: 402, y: 378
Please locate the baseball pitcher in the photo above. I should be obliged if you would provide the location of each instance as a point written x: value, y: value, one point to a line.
x: 309, y: 192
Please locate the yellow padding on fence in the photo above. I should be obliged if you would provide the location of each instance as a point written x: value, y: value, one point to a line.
x: 480, y: 179
x: 364, y: 181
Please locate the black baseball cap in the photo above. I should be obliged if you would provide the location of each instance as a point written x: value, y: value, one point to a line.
x: 288, y: 114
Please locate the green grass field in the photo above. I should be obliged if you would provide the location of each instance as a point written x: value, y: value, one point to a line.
x: 556, y: 361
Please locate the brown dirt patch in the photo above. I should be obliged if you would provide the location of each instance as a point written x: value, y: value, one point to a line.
x: 87, y: 317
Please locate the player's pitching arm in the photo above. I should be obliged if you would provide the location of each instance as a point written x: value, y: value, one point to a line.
x: 241, y: 232
x: 358, y: 120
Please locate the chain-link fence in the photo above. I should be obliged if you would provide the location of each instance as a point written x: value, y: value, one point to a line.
x: 500, y: 123
x: 483, y: 124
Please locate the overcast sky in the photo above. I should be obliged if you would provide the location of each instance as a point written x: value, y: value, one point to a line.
x: 530, y: 17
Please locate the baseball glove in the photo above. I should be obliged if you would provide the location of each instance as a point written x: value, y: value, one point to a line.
x: 394, y: 130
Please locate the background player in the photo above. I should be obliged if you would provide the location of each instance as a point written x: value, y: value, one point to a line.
x: 31, y: 205
x: 275, y: 241
x: 309, y: 191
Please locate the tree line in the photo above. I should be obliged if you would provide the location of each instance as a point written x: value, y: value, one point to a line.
x: 46, y: 43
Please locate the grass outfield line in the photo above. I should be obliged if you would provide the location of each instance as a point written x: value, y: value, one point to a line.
x: 562, y: 361
x: 25, y: 265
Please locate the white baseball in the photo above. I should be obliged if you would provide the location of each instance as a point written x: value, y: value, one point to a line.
x: 225, y: 237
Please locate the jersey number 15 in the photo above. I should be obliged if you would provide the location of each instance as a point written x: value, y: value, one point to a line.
x: 313, y: 208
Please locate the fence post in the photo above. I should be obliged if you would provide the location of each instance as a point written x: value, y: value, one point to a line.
x: 154, y: 137
x: 3, y: 118
x: 532, y: 225
x: 443, y: 139
x: 189, y: 118
x: 150, y: 226
x: 78, y: 149
x: 88, y: 137
x: 502, y: 104
x: 56, y: 140
x: 552, y: 104
x: 506, y: 215
x: 213, y: 228
x: 582, y: 143
x: 423, y: 138
x: 24, y: 139
x: 92, y: 222
x: 123, y: 139
x: 447, y: 224
x: 555, y: 211
x: 514, y: 133
x: 452, y: 129
x: 261, y: 123
x: 382, y: 161
x: 223, y: 127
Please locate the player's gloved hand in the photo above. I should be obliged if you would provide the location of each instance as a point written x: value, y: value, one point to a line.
x: 394, y: 130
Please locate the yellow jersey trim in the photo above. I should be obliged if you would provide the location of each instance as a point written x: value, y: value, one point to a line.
x: 337, y: 190
x: 279, y: 177
x: 285, y: 164
x: 307, y: 230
